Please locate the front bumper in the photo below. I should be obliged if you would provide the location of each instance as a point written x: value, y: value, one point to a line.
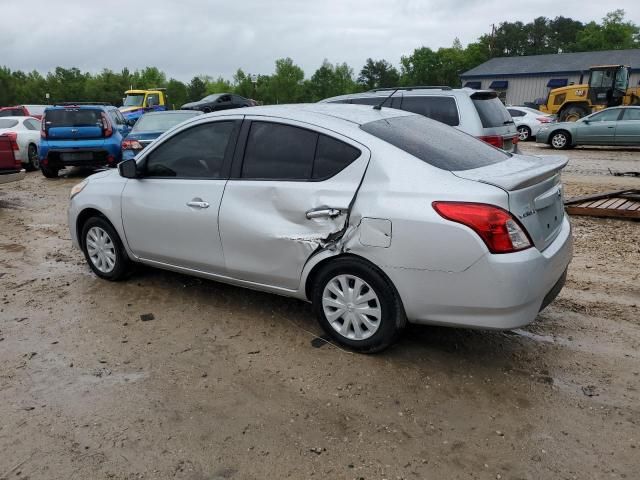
x: 497, y: 292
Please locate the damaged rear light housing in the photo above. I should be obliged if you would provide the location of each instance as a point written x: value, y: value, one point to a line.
x: 499, y: 230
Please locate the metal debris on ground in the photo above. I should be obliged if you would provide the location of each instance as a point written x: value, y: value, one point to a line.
x: 617, y: 204
x: 623, y: 174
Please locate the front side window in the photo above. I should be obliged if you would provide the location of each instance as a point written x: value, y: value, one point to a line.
x: 442, y: 109
x: 631, y: 114
x: 197, y: 152
x: 153, y: 99
x: 610, y: 115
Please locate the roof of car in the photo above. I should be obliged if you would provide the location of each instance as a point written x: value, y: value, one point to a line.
x: 322, y: 112
x: 171, y: 112
x: 405, y: 92
x: 81, y: 106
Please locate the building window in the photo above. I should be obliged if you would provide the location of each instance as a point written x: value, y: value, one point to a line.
x: 557, y: 82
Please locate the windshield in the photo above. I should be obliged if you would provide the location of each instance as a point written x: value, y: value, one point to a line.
x: 133, y: 101
x: 435, y: 143
x: 7, y: 123
x: 161, y: 122
x: 622, y: 79
x: 492, y: 111
x: 73, y: 118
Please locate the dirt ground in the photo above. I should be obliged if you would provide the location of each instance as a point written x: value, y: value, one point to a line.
x: 226, y: 383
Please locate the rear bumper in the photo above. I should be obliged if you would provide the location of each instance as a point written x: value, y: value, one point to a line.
x: 497, y: 292
x: 11, y: 176
x: 99, y: 157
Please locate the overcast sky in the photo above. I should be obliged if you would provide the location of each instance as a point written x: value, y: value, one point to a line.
x: 193, y: 37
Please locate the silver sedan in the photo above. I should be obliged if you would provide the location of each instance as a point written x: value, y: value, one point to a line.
x: 376, y: 217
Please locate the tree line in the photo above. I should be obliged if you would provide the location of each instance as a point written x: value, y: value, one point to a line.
x: 424, y: 66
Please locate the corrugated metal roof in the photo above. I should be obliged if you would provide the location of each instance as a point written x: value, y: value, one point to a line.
x: 553, y: 63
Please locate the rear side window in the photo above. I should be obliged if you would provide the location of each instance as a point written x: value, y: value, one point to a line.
x: 515, y: 113
x: 73, y: 117
x: 198, y: 152
x: 332, y: 156
x: 8, y: 123
x: 442, y: 109
x: 32, y: 124
x: 435, y: 143
x: 279, y: 151
x: 284, y: 152
x: 492, y: 111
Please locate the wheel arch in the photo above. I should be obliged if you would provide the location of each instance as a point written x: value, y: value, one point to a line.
x: 85, y: 215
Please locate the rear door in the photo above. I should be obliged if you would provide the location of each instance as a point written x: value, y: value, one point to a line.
x: 291, y: 189
x: 599, y: 128
x: 628, y: 128
x: 170, y: 214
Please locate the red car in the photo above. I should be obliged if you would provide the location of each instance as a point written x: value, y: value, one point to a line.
x: 10, y: 167
x: 23, y: 111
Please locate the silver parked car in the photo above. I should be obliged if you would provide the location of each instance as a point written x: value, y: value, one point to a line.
x: 477, y: 112
x: 375, y: 216
x: 528, y: 121
x: 612, y: 126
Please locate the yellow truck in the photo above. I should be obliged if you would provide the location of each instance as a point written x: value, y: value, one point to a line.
x: 608, y: 86
x: 138, y: 102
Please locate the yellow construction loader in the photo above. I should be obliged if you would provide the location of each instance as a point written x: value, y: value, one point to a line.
x: 608, y: 87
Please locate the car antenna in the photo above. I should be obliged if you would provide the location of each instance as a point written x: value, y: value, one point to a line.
x: 379, y: 106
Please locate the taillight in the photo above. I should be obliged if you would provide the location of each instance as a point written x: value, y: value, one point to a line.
x: 107, y: 129
x: 499, y: 230
x: 544, y: 119
x: 131, y: 145
x: 495, y: 140
x: 13, y: 139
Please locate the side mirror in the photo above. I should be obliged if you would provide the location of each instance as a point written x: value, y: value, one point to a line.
x: 128, y: 168
x: 586, y: 121
x: 131, y: 122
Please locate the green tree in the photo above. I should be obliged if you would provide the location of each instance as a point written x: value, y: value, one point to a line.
x: 177, y: 93
x: 243, y: 85
x: 328, y: 81
x: 285, y: 85
x: 196, y: 89
x: 378, y: 74
x: 613, y: 34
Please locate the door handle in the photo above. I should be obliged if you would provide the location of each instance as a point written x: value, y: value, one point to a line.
x: 323, y: 212
x: 197, y: 204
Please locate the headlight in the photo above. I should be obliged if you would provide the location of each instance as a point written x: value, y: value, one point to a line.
x: 77, y: 188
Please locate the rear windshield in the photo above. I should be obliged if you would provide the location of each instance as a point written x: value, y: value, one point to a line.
x: 435, y: 143
x: 73, y: 117
x: 7, y: 123
x: 161, y: 122
x: 492, y: 111
x: 12, y: 112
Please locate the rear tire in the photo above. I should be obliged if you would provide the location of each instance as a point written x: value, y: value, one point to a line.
x: 33, y: 161
x: 560, y: 140
x: 103, y: 250
x: 524, y: 133
x: 357, y: 306
x: 49, y: 172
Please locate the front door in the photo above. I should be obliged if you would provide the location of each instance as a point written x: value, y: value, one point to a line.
x: 170, y: 214
x: 290, y: 191
x: 628, y: 129
x: 599, y: 128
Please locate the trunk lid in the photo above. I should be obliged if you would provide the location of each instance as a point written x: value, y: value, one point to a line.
x: 73, y: 124
x: 534, y: 189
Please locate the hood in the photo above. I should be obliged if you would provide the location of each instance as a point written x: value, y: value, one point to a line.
x: 190, y: 105
x: 108, y: 172
x: 129, y: 109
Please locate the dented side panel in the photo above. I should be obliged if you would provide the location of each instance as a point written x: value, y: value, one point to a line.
x: 266, y: 234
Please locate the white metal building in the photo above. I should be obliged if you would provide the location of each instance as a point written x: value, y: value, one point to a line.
x: 520, y: 80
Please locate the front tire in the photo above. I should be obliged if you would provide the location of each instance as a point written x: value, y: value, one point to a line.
x: 357, y: 306
x: 33, y: 161
x: 103, y: 249
x: 524, y: 133
x: 560, y: 140
x: 49, y: 172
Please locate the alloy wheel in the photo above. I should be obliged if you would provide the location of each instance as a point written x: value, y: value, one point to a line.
x: 101, y: 249
x: 351, y: 307
x: 34, y: 161
x: 523, y: 134
x: 559, y: 140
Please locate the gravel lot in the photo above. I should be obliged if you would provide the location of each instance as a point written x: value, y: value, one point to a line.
x: 225, y: 383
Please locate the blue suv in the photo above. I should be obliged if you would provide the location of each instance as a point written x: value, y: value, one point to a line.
x: 81, y: 134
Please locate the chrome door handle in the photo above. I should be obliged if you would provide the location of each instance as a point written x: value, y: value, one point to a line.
x: 323, y: 212
x: 198, y: 204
